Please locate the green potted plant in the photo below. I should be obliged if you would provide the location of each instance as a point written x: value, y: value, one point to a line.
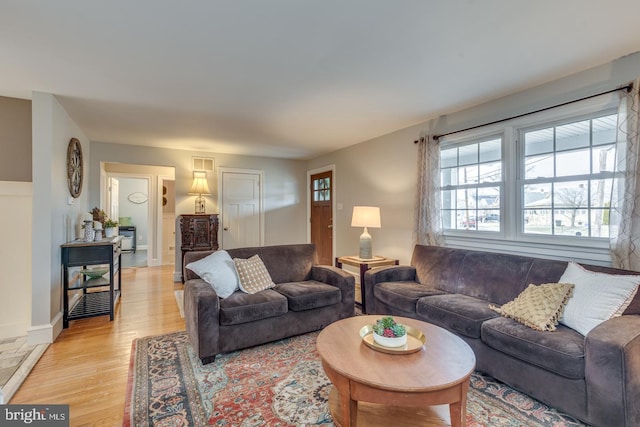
x: 388, y: 333
x: 110, y: 227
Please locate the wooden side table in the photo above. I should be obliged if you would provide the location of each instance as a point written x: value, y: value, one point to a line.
x: 364, y: 265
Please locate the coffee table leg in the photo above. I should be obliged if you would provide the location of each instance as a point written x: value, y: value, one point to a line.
x: 458, y: 410
x: 348, y: 409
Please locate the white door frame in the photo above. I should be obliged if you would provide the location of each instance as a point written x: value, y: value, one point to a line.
x: 160, y: 217
x: 334, y: 204
x: 260, y: 173
x: 154, y: 258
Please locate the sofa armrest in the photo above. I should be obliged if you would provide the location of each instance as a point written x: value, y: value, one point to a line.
x: 341, y: 279
x: 202, y: 318
x: 612, y: 371
x: 393, y: 273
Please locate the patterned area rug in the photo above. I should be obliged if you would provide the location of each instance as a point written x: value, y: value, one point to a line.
x: 278, y: 384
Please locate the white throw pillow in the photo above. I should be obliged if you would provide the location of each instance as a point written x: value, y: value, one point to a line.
x: 219, y: 271
x: 596, y: 297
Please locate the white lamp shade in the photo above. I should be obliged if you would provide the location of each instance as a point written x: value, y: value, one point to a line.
x: 366, y: 216
x: 199, y: 185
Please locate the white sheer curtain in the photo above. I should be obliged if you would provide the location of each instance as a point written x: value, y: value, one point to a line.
x: 625, y: 201
x: 427, y: 210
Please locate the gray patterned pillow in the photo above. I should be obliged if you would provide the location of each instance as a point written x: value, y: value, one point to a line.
x: 253, y: 275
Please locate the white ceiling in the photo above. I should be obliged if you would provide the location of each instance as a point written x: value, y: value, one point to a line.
x: 293, y: 78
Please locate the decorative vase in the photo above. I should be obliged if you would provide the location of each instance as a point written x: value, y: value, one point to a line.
x: 98, y: 235
x: 109, y: 231
x: 89, y: 234
x: 390, y: 341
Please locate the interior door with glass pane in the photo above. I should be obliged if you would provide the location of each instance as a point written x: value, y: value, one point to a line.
x: 321, y: 215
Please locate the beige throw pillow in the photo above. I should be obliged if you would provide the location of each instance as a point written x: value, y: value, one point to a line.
x: 253, y: 275
x: 538, y: 307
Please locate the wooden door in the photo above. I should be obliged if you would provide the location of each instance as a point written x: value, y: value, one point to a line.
x: 241, y: 210
x: 322, y: 215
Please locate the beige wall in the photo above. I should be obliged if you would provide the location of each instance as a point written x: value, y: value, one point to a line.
x: 15, y: 139
x: 15, y: 213
x: 383, y: 171
x: 15, y: 259
x: 54, y: 220
x: 380, y: 172
x: 284, y: 186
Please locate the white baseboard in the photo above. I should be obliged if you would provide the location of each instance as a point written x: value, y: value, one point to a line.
x: 47, y: 333
x: 177, y: 276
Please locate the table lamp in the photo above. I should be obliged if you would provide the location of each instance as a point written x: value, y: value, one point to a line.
x: 199, y: 187
x: 365, y: 216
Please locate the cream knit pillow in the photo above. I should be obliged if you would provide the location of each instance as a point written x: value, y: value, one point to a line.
x: 538, y: 307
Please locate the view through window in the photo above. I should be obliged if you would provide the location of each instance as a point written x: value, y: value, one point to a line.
x: 554, y: 173
x: 567, y: 177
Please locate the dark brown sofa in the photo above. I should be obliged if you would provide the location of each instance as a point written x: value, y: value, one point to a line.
x: 594, y: 378
x: 307, y: 297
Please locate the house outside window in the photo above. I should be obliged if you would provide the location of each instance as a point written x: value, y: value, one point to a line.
x: 471, y: 178
x: 567, y: 176
x: 544, y: 178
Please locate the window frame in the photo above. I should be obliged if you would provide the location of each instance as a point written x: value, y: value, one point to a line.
x: 521, y: 181
x: 488, y: 134
x: 511, y: 199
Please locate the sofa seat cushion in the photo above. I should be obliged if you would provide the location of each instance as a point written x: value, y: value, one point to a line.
x: 459, y: 313
x: 560, y: 352
x: 403, y: 295
x: 241, y: 307
x: 309, y: 294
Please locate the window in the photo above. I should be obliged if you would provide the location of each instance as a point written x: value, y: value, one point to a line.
x: 322, y: 189
x: 543, y: 178
x: 471, y: 179
x: 567, y: 176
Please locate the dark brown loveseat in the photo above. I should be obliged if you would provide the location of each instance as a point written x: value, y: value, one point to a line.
x: 307, y: 297
x: 595, y: 378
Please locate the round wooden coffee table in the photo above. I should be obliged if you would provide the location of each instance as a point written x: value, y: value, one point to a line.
x: 397, y: 386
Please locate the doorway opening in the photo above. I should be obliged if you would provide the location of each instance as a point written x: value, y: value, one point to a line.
x: 142, y: 199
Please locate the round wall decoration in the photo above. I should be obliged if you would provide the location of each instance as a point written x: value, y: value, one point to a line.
x: 137, y: 198
x: 75, y: 170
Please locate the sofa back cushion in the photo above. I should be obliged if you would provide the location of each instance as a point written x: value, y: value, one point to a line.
x: 497, y: 278
x: 437, y: 266
x: 285, y: 263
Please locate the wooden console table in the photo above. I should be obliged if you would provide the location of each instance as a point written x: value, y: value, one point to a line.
x: 364, y: 265
x: 100, y: 295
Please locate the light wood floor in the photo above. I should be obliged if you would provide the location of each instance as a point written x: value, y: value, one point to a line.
x: 87, y: 366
